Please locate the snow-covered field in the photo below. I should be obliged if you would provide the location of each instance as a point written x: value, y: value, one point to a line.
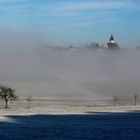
x: 70, y: 122
x: 66, y: 109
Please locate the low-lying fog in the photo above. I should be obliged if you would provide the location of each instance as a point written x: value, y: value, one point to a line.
x: 34, y: 69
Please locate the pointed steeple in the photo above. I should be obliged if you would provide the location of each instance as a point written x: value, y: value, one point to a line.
x: 112, y: 44
x: 111, y: 38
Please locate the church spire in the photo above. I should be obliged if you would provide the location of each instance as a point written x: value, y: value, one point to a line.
x: 112, y: 44
x: 111, y: 38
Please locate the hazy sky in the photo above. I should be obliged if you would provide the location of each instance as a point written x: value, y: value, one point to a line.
x: 75, y: 21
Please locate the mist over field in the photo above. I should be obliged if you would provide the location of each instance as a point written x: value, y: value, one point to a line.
x: 33, y: 68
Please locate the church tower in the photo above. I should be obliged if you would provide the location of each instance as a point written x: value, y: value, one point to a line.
x: 112, y: 44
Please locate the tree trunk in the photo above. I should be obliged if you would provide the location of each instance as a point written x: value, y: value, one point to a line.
x: 135, y: 99
x: 28, y: 106
x: 6, y: 104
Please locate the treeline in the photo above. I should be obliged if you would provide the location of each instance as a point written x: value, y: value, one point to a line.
x: 7, y: 94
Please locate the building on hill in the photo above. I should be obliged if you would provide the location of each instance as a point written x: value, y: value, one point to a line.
x: 112, y: 44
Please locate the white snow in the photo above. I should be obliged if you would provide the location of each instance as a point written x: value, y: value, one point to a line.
x: 69, y: 122
x: 6, y: 119
x: 67, y: 109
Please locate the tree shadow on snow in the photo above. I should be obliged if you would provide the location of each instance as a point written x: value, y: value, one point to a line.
x: 91, y: 126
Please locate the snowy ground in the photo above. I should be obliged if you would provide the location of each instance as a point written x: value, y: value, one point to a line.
x: 67, y: 122
x: 66, y: 109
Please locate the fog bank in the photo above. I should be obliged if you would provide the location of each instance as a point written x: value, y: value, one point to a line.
x: 34, y: 69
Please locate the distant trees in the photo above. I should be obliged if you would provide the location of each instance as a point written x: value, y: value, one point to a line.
x: 93, y: 45
x: 28, y: 99
x: 7, y: 94
x: 135, y: 99
x: 115, y: 99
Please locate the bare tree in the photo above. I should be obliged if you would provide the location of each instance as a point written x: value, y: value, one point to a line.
x: 28, y: 99
x: 7, y: 94
x: 115, y: 99
x: 135, y: 99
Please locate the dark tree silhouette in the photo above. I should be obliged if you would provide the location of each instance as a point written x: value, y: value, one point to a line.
x: 28, y: 99
x: 135, y: 99
x: 115, y: 99
x: 7, y: 94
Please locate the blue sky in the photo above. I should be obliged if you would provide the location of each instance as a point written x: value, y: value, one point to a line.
x: 75, y: 21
